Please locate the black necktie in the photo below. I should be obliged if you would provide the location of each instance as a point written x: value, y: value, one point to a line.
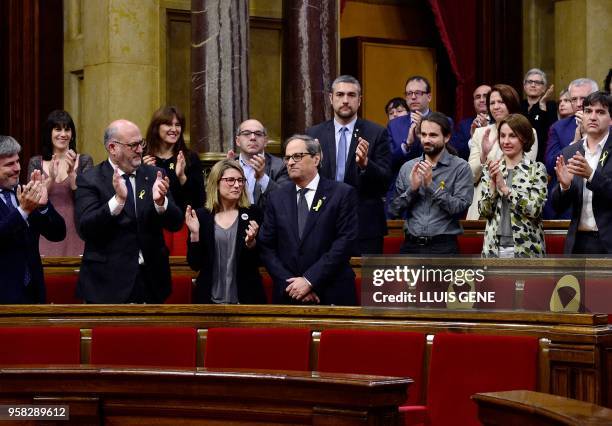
x: 129, y: 207
x: 302, y: 210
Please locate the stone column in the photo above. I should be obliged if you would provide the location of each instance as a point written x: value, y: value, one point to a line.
x: 219, y: 77
x: 310, y: 62
x: 583, y: 30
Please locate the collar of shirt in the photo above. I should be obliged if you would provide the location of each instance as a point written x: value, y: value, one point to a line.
x: 350, y: 126
x: 121, y: 172
x: 312, y: 186
x: 601, y: 143
x: 444, y: 158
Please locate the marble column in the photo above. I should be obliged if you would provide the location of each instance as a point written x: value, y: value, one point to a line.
x: 219, y: 72
x: 310, y: 62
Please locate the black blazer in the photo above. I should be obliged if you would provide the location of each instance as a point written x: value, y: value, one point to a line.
x: 193, y: 192
x: 110, y: 259
x: 201, y: 256
x: 373, y: 182
x: 323, y: 254
x: 600, y: 185
x: 19, y: 249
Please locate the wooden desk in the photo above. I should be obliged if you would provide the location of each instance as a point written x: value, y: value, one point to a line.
x: 190, y: 396
x: 529, y: 408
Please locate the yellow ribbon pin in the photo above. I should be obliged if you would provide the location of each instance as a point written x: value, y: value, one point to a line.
x: 603, y: 158
x: 442, y: 185
x: 171, y: 166
x: 318, y: 206
x: 141, y: 194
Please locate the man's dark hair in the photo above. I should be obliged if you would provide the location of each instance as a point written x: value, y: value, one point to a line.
x: 420, y: 78
x: 394, y: 103
x: 602, y: 98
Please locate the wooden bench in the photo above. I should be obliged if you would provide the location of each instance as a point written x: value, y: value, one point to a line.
x: 114, y: 395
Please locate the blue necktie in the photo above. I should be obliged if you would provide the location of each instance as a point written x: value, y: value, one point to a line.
x: 129, y: 207
x: 341, y: 156
x: 6, y: 193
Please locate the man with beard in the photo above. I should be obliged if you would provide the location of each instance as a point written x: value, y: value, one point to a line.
x: 434, y: 190
x: 356, y: 152
x: 264, y: 172
x: 121, y: 208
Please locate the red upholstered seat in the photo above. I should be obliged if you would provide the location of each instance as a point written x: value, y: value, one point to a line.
x: 144, y: 346
x: 554, y: 244
x: 61, y: 288
x: 176, y: 241
x: 182, y: 289
x: 40, y: 345
x: 392, y: 245
x: 383, y: 353
x: 268, y: 285
x: 464, y: 364
x: 470, y: 244
x: 258, y: 348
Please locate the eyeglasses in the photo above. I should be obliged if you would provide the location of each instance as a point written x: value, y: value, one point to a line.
x: 417, y: 93
x: 297, y: 157
x: 536, y: 82
x: 132, y: 145
x: 248, y: 133
x: 575, y: 99
x: 231, y: 181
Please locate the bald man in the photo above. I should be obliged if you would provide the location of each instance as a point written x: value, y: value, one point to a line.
x: 264, y: 172
x: 121, y: 207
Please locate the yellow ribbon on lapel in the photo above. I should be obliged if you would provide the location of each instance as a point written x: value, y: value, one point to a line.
x: 603, y: 158
x: 141, y: 194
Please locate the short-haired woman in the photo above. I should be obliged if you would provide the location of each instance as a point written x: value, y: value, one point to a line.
x: 513, y: 195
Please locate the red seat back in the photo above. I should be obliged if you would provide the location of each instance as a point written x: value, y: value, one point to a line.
x: 383, y: 353
x: 258, y: 348
x: 144, y: 346
x: 392, y: 245
x: 40, y: 345
x: 554, y: 244
x: 268, y: 286
x: 182, y: 290
x: 61, y: 288
x: 470, y: 244
x: 464, y: 364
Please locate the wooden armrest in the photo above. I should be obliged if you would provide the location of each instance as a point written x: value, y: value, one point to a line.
x: 534, y: 408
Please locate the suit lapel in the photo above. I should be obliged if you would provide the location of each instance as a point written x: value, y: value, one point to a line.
x: 142, y: 192
x: 290, y: 205
x: 350, y: 159
x: 605, y: 153
x: 329, y: 149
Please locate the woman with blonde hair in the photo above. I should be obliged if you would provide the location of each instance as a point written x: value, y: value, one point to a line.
x: 513, y: 194
x: 222, y: 243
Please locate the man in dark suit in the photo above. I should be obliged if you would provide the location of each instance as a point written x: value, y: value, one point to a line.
x: 264, y: 172
x: 466, y: 127
x: 585, y: 181
x: 563, y: 133
x: 121, y: 208
x: 356, y: 152
x: 309, y: 230
x: 25, y: 214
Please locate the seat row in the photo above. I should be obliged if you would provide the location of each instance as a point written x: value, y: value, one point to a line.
x: 446, y: 368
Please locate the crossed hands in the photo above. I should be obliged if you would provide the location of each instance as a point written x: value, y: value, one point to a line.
x: 497, y: 179
x: 299, y: 289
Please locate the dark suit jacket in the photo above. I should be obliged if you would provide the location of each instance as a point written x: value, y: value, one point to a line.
x: 110, y: 259
x: 323, y: 254
x: 19, y: 249
x: 201, y: 257
x: 277, y: 172
x: 600, y: 185
x: 372, y: 183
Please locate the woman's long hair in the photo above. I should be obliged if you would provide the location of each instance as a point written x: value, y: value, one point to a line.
x: 58, y: 118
